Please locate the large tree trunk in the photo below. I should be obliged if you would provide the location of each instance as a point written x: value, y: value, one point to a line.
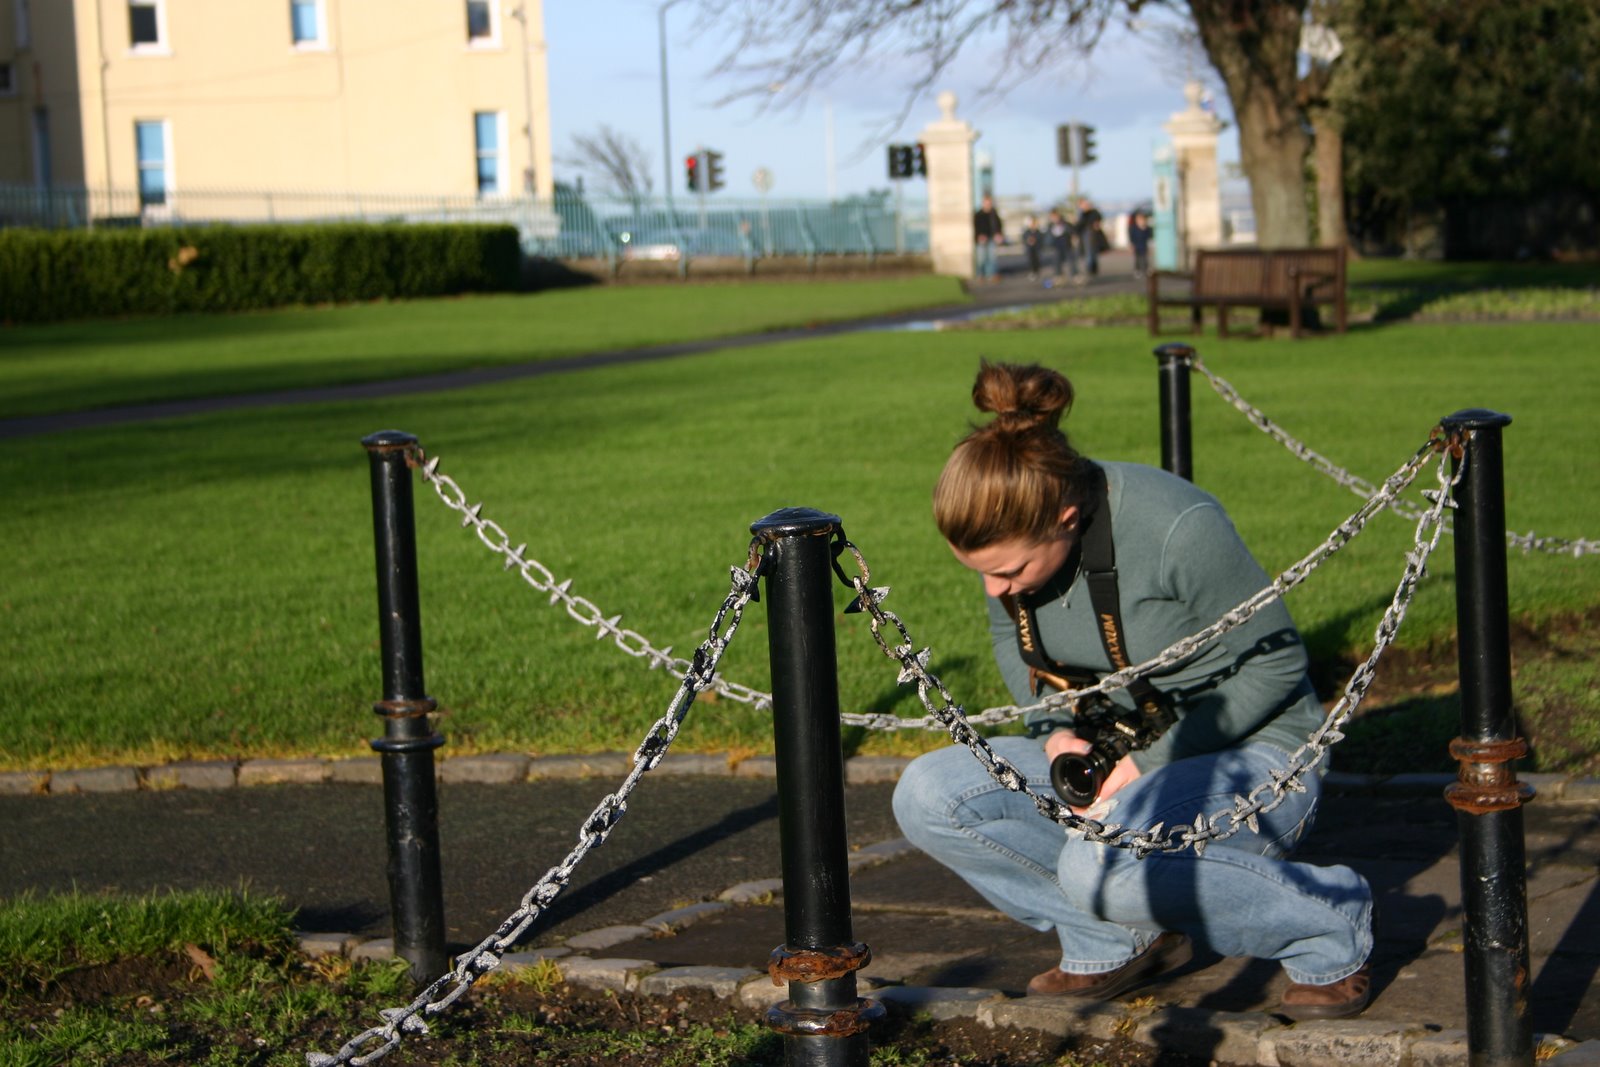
x: 1330, y: 180
x: 1252, y: 44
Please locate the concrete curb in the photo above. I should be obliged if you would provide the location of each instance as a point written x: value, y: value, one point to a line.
x: 510, y: 768
x: 1245, y: 1038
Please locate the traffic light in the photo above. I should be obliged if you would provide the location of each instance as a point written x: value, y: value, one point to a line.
x: 1064, y: 146
x: 1085, y: 145
x: 713, y: 170
x: 899, y: 161
x: 919, y: 161
x: 691, y: 172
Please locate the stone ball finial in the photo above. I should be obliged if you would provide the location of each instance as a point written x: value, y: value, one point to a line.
x: 947, y: 105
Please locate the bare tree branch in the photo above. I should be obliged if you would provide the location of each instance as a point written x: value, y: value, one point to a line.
x: 783, y: 50
x: 617, y: 164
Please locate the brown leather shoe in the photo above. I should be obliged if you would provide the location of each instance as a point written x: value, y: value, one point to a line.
x: 1336, y: 1000
x: 1167, y: 952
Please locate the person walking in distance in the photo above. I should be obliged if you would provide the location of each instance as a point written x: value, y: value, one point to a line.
x: 1032, y: 244
x: 1063, y: 544
x: 1061, y: 236
x: 1091, y: 236
x: 1139, y: 234
x: 987, y: 233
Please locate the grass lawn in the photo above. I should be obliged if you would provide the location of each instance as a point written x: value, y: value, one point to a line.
x: 72, y: 366
x: 203, y: 587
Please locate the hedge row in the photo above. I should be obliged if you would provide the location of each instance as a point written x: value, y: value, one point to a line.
x: 70, y: 274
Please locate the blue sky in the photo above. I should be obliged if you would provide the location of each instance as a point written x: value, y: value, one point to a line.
x: 605, y: 68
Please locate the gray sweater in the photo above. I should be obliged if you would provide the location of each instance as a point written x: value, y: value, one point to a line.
x: 1180, y: 566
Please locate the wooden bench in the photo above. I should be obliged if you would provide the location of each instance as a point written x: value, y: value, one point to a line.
x: 1288, y: 279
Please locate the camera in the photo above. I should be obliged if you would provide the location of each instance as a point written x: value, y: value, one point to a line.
x: 1077, y: 777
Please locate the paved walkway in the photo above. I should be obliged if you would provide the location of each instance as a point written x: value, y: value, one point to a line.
x: 697, y: 855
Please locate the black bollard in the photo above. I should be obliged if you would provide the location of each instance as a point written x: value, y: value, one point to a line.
x: 823, y: 1022
x: 411, y: 804
x: 1176, y: 455
x: 1487, y: 797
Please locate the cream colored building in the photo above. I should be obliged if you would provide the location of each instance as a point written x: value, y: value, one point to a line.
x: 165, y: 99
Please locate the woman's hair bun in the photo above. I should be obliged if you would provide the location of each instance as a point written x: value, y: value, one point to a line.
x: 1022, y: 397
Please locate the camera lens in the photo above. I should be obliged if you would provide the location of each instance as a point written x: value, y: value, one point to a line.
x: 1077, y: 779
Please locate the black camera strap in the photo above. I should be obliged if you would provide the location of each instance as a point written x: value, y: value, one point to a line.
x: 1098, y: 561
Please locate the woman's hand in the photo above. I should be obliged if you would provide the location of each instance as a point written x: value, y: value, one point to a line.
x: 1065, y: 742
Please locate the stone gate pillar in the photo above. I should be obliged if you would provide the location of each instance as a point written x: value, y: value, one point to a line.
x: 947, y: 152
x: 1194, y: 139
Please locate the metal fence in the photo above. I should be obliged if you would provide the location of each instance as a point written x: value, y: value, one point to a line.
x: 569, y: 225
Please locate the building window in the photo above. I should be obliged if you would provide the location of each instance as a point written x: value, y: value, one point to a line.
x: 483, y: 28
x: 24, y: 25
x: 490, y: 152
x: 43, y: 173
x: 8, y: 84
x: 307, y: 24
x: 154, y: 178
x: 145, y: 19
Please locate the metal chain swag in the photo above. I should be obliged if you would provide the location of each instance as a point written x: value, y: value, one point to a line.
x: 1225, y: 822
x: 1527, y: 542
x: 539, y: 576
x: 584, y: 611
x: 699, y: 675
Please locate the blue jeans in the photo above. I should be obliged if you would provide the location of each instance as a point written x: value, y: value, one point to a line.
x: 1242, y: 897
x: 986, y: 265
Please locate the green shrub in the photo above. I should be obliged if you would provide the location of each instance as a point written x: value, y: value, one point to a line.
x: 52, y: 275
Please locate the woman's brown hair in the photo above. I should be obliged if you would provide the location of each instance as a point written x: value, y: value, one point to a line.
x: 1009, y: 479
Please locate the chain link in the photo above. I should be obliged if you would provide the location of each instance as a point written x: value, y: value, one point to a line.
x: 485, y: 957
x: 1176, y: 653
x: 580, y: 609
x: 1528, y: 542
x: 1245, y: 810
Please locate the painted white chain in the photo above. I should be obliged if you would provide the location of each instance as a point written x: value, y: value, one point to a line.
x: 485, y: 956
x: 1528, y: 542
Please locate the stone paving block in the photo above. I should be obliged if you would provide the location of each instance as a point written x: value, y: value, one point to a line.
x: 759, y: 994
x: 493, y: 769
x: 315, y: 945
x: 1586, y: 1054
x: 860, y: 770
x: 679, y: 918
x: 712, y: 765
x: 361, y: 770
x: 1054, y: 1015
x: 192, y: 774
x: 22, y: 783
x: 95, y: 780
x: 752, y: 892
x: 1447, y: 1048
x: 882, y: 852
x: 606, y: 936
x: 621, y: 975
x: 756, y: 767
x: 1228, y: 1037
x: 936, y: 1002
x: 1546, y: 787
x: 721, y: 981
x: 1339, y: 1044
x: 1582, y: 791
x: 379, y: 948
x: 280, y: 771
x: 599, y: 765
